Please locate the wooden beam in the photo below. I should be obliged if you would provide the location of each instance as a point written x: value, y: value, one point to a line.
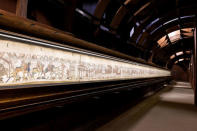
x: 122, y: 11
x: 69, y: 11
x: 21, y: 8
x: 194, y: 67
x: 100, y: 9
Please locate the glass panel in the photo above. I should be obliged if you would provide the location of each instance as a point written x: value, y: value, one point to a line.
x: 188, y: 52
x: 187, y: 29
x: 172, y: 56
x: 104, y: 28
x: 179, y: 53
x: 176, y: 62
x: 153, y: 22
x: 162, y: 42
x: 188, y: 16
x: 174, y: 36
x: 187, y: 32
x: 132, y: 32
x: 181, y: 59
x: 170, y: 21
x: 187, y: 59
x: 90, y: 6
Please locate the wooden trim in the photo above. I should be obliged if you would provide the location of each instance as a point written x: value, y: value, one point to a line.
x: 21, y: 8
x: 122, y: 11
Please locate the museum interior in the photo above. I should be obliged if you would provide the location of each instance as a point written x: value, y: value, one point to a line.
x: 106, y: 65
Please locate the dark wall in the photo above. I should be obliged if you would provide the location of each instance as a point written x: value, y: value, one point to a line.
x: 8, y: 5
x: 179, y: 74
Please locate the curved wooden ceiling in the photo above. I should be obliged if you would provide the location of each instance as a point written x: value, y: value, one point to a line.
x: 151, y: 20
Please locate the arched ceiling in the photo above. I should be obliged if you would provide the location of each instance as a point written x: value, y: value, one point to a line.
x: 155, y: 19
x: 164, y: 53
x: 158, y: 28
x: 178, y: 58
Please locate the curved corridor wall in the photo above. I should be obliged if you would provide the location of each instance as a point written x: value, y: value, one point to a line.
x: 24, y: 62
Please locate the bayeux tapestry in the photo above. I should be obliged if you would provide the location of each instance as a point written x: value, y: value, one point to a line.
x: 24, y: 63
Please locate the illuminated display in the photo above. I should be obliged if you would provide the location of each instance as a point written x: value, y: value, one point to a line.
x: 22, y: 63
x: 175, y: 36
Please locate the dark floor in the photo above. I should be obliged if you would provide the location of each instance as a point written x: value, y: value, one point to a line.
x: 169, y: 109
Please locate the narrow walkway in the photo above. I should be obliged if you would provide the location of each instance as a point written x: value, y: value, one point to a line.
x: 171, y: 109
